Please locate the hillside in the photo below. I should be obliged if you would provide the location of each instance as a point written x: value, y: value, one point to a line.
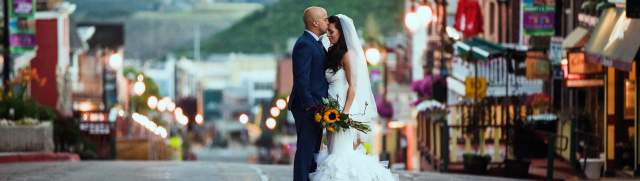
x: 268, y: 30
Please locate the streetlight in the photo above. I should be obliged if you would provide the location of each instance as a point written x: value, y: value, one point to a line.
x: 244, y: 118
x: 281, y: 104
x: 138, y: 87
x: 271, y: 123
x: 115, y: 61
x: 152, y: 102
x: 275, y: 112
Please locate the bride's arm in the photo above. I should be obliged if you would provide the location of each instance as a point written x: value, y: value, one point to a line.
x: 351, y: 91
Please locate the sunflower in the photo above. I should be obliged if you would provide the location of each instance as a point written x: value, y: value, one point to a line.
x: 331, y: 116
x: 318, y: 117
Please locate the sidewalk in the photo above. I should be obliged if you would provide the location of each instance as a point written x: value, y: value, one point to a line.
x: 14, y: 157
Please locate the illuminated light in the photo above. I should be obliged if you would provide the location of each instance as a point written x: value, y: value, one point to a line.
x: 425, y: 14
x: 275, y: 112
x: 412, y: 21
x: 121, y: 113
x: 162, y: 132
x: 244, y: 118
x: 140, y: 78
x: 138, y: 88
x: 162, y: 106
x: 271, y: 123
x: 395, y: 124
x: 152, y: 102
x: 177, y: 112
x: 85, y: 106
x: 373, y: 56
x: 115, y: 61
x: 281, y: 104
x: 171, y: 106
x: 199, y: 119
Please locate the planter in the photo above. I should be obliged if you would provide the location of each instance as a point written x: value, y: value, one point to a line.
x: 476, y: 164
x: 34, y: 138
x: 517, y: 168
x: 593, y: 169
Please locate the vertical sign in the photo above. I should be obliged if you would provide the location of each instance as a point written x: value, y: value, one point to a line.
x: 22, y: 26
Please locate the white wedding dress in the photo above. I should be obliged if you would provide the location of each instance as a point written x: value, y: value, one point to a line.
x: 341, y: 162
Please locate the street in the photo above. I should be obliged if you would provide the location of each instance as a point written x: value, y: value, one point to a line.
x: 168, y: 170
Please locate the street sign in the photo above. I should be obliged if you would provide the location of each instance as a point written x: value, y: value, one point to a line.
x: 475, y: 87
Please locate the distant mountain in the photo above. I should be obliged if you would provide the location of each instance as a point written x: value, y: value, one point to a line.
x: 269, y: 29
x: 154, y: 28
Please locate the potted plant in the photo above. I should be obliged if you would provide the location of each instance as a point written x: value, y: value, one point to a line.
x: 518, y: 165
x: 476, y: 162
x: 592, y: 160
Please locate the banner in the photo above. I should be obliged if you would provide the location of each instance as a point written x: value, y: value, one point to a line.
x: 538, y: 17
x: 22, y: 26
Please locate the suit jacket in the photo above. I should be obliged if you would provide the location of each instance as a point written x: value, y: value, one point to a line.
x: 309, y: 82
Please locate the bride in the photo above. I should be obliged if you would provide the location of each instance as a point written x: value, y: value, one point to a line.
x: 349, y: 81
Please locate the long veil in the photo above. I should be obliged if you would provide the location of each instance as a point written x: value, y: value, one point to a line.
x: 364, y: 106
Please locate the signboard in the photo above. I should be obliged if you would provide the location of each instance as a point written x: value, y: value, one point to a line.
x: 539, y: 17
x: 555, y: 50
x: 96, y: 128
x: 585, y: 83
x: 22, y: 26
x: 537, y: 69
x: 475, y: 87
x: 578, y: 65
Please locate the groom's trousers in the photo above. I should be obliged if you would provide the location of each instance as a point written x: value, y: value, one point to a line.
x: 308, y: 144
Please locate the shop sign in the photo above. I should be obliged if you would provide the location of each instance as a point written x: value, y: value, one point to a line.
x: 96, y: 128
x: 537, y: 68
x: 555, y: 50
x: 539, y: 17
x: 22, y: 26
x: 585, y: 83
x: 475, y: 87
x: 578, y: 65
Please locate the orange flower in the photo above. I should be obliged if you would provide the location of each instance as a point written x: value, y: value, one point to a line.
x: 318, y: 117
x: 331, y: 116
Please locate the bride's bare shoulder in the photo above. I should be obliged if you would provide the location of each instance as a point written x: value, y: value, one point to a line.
x: 346, y: 58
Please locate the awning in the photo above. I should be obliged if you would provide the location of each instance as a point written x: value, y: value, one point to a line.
x: 615, y: 40
x: 577, y: 38
x: 480, y: 48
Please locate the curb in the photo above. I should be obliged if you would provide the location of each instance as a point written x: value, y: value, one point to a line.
x: 37, y: 157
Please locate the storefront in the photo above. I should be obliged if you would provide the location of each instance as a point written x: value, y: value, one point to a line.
x: 614, y: 43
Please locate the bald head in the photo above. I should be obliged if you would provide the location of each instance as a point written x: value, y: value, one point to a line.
x: 315, y: 19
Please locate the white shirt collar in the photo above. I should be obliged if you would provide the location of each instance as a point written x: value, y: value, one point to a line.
x: 313, y: 34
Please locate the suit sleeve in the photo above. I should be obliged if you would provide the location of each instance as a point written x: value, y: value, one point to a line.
x: 302, y: 72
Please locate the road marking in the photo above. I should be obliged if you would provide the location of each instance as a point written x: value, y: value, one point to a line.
x: 263, y: 176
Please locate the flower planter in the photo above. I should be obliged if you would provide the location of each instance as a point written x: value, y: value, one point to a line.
x: 593, y: 169
x: 32, y: 138
x: 476, y: 164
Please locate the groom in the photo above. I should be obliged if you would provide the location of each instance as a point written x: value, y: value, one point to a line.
x: 309, y: 87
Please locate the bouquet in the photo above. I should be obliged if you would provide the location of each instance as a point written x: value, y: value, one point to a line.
x: 333, y: 120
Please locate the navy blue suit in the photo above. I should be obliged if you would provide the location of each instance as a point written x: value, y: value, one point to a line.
x: 309, y: 87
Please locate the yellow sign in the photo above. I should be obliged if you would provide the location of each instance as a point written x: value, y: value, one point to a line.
x: 475, y: 87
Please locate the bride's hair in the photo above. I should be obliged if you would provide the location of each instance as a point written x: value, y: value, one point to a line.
x: 338, y: 50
